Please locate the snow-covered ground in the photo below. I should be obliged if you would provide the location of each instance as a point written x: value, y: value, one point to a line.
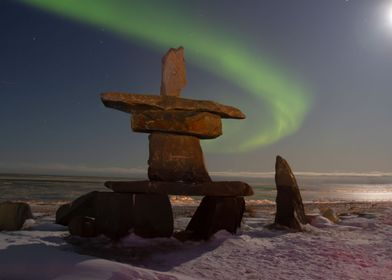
x: 359, y: 247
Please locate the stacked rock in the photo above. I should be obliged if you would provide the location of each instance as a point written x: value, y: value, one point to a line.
x: 176, y: 162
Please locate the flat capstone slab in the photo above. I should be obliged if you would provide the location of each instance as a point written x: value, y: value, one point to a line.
x: 128, y: 102
x: 221, y: 188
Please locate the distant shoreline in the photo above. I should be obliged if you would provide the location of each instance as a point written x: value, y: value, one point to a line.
x: 47, y: 192
x: 184, y: 210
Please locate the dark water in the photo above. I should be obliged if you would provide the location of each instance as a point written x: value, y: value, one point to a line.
x: 313, y: 187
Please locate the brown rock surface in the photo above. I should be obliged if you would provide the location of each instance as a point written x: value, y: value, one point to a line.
x: 82, y: 226
x: 176, y: 158
x: 14, y: 214
x: 113, y: 214
x: 128, y: 103
x: 330, y: 214
x: 62, y: 214
x: 173, y: 72
x: 289, y: 207
x: 222, y: 188
x: 111, y: 211
x: 214, y: 214
x: 152, y: 215
x: 82, y: 206
x: 201, y: 125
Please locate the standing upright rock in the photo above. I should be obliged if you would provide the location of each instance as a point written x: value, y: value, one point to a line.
x: 173, y: 72
x: 289, y: 207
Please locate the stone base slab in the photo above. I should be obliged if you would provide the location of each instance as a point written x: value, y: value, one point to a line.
x: 221, y: 188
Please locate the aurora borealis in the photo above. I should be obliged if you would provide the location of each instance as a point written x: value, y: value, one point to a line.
x: 160, y: 25
x: 313, y: 78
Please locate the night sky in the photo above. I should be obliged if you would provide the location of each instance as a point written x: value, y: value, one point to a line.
x: 313, y: 77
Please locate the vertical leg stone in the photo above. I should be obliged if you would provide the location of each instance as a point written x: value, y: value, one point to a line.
x: 176, y: 158
x: 152, y: 215
x: 113, y: 214
x: 214, y: 214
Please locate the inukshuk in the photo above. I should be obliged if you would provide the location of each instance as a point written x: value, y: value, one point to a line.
x: 176, y: 163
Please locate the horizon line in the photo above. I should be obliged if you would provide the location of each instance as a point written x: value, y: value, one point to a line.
x: 84, y: 170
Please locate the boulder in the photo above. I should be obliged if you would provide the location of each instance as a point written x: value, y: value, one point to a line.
x: 199, y: 124
x: 61, y: 214
x: 82, y: 226
x: 14, y: 214
x: 111, y: 211
x: 82, y: 206
x: 116, y: 214
x: 289, y: 207
x: 128, y: 102
x: 173, y: 72
x: 214, y: 214
x: 330, y: 215
x: 176, y: 158
x: 220, y: 188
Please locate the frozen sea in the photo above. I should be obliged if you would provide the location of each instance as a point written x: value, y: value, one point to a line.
x: 314, y: 187
x: 359, y: 246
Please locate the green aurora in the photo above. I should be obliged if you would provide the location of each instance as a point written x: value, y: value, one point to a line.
x: 279, y: 104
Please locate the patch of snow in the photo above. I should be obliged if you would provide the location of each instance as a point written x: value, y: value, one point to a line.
x: 29, y: 223
x: 359, y: 222
x: 356, y: 248
x: 320, y: 221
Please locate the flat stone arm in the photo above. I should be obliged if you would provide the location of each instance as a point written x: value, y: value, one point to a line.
x: 128, y: 103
